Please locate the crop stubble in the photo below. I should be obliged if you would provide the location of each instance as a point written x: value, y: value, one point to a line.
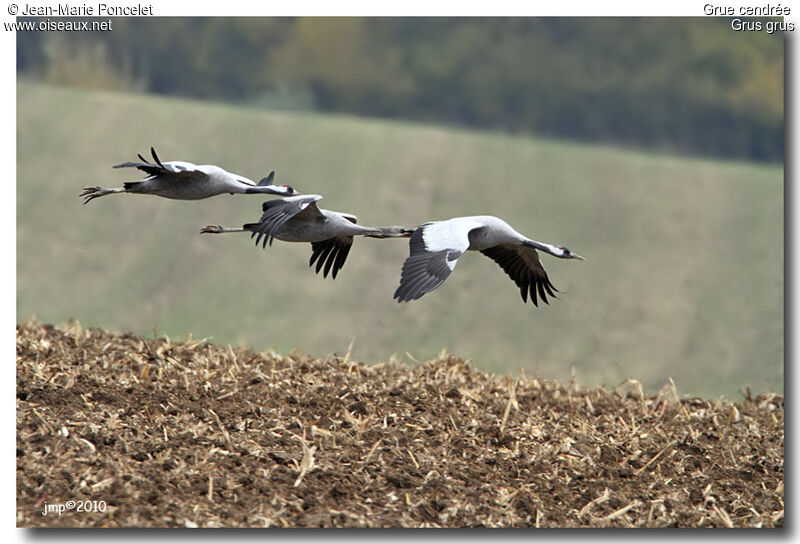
x: 192, y: 434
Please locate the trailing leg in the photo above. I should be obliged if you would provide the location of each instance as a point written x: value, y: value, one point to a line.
x: 90, y: 193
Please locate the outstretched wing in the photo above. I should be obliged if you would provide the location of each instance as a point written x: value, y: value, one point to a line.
x: 522, y: 265
x: 349, y: 216
x: 277, y: 212
x: 182, y: 169
x: 331, y: 253
x: 267, y: 180
x: 435, y: 248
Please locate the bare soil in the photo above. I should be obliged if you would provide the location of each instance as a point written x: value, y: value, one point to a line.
x: 175, y: 434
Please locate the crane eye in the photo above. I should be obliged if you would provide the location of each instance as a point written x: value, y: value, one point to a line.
x: 289, y: 188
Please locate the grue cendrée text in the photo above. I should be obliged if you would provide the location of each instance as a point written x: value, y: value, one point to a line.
x: 298, y: 219
x: 436, y: 246
x: 186, y: 181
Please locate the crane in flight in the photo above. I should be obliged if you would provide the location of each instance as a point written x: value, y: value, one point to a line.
x: 298, y: 219
x: 437, y: 245
x: 182, y: 180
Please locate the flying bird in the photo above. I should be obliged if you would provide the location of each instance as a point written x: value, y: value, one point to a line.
x: 437, y: 245
x: 186, y: 181
x: 298, y: 219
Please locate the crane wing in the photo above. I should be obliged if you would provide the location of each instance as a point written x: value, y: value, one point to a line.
x: 175, y: 168
x: 522, y: 265
x: 265, y: 182
x: 435, y: 248
x: 331, y: 253
x: 183, y: 170
x: 350, y: 217
x: 278, y: 212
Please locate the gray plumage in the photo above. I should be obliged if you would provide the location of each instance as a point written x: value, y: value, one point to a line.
x: 298, y: 219
x: 186, y: 181
x: 436, y: 246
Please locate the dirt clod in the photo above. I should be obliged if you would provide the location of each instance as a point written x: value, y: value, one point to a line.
x: 184, y: 434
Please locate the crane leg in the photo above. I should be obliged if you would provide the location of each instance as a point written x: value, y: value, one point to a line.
x: 90, y: 193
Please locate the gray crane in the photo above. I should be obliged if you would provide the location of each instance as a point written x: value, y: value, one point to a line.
x: 437, y: 245
x: 298, y: 219
x: 186, y: 181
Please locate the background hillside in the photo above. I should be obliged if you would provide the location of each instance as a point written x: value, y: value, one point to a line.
x: 690, y: 84
x: 683, y: 278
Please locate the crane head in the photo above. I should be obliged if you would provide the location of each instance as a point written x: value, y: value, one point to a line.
x: 567, y: 254
x: 283, y: 190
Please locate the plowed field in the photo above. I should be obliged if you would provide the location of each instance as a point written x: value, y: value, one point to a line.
x: 156, y: 433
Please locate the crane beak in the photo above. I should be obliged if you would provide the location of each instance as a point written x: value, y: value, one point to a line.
x: 576, y: 256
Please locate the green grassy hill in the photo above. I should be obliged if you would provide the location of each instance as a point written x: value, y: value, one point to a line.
x: 683, y: 278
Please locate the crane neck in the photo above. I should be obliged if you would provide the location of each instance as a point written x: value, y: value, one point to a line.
x: 390, y: 232
x: 266, y: 189
x: 547, y: 248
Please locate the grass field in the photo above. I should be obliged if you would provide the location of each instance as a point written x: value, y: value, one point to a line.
x: 683, y: 278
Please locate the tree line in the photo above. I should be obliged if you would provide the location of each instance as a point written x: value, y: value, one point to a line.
x: 690, y: 85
